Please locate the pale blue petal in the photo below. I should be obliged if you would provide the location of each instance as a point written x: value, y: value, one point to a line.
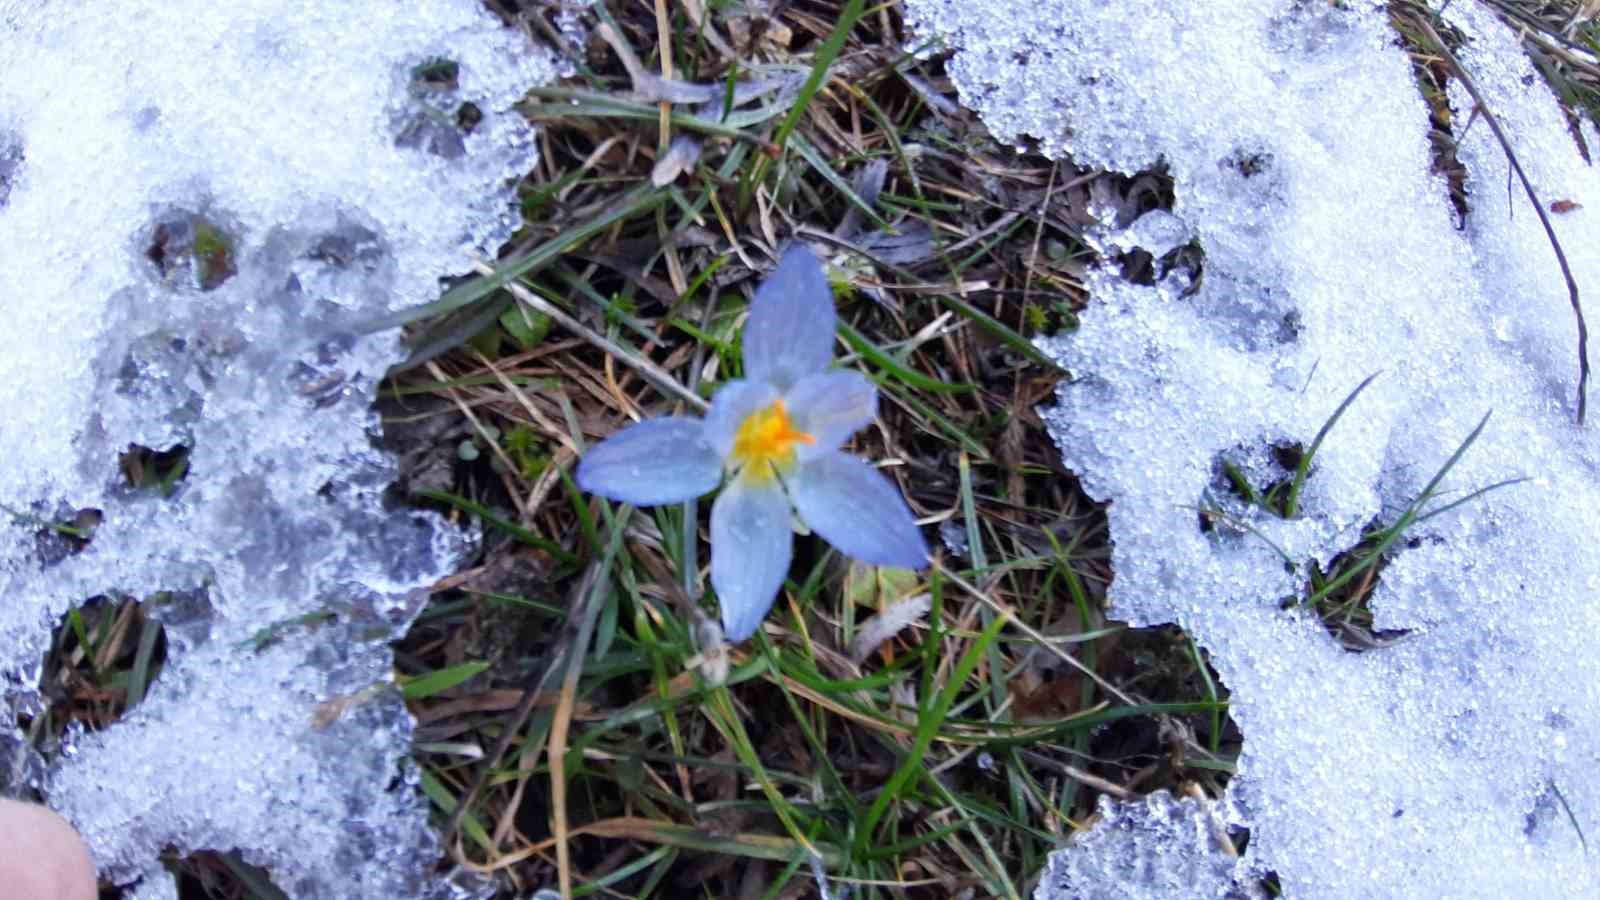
x: 733, y: 403
x: 831, y: 406
x: 790, y: 330
x: 858, y: 510
x: 751, y: 542
x: 652, y: 462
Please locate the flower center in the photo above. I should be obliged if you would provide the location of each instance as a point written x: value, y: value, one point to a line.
x: 765, y: 441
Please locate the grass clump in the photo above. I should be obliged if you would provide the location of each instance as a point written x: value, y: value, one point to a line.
x: 103, y: 658
x: 1339, y: 592
x: 898, y: 734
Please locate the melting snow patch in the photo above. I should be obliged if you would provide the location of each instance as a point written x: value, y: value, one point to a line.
x: 1154, y: 847
x: 201, y: 205
x: 1458, y: 761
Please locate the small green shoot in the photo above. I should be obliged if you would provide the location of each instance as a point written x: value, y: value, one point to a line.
x: 1291, y: 503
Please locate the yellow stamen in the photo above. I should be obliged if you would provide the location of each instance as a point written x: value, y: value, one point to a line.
x: 765, y: 441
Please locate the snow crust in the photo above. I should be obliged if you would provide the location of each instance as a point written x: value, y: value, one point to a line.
x: 1443, y: 765
x: 322, y: 142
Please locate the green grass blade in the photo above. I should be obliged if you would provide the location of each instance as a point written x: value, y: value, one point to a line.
x: 910, y: 377
x: 81, y: 632
x: 438, y: 682
x: 139, y: 677
x: 811, y: 155
x: 640, y: 200
x: 826, y: 54
x: 1433, y: 485
x: 1470, y: 497
x: 921, y: 840
x: 1211, y: 693
x: 975, y: 552
x: 999, y: 329
x: 1242, y: 525
x: 442, y: 798
x: 1291, y: 504
x: 449, y: 332
x: 938, y: 421
x: 623, y: 872
x: 927, y: 727
x: 1408, y: 518
x: 1242, y: 484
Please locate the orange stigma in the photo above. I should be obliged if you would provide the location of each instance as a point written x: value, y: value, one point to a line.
x: 767, y: 438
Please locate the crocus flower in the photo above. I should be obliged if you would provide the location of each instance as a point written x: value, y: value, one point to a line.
x: 772, y: 439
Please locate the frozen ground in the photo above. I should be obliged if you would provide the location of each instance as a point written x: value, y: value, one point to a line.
x: 200, y: 205
x: 1446, y: 764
